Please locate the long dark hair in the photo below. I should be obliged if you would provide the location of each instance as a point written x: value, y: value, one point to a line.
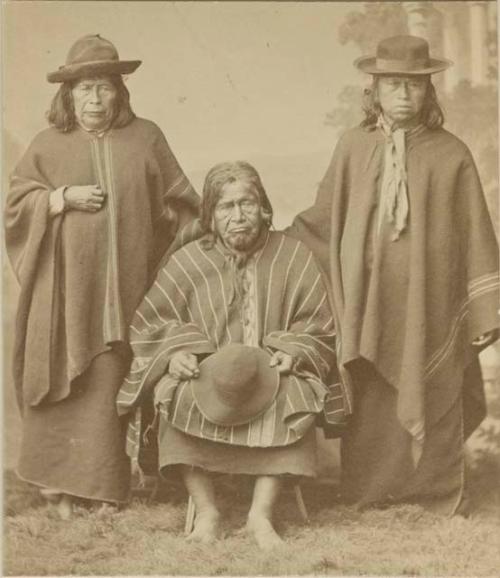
x: 62, y: 111
x: 229, y: 172
x: 432, y: 115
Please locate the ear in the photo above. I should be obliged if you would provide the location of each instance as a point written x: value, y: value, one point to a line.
x: 266, y: 216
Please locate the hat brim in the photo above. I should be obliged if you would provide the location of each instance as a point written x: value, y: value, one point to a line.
x: 368, y: 64
x: 219, y: 413
x: 90, y: 69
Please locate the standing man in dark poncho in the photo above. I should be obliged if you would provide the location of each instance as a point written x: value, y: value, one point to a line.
x: 401, y: 227
x: 93, y: 204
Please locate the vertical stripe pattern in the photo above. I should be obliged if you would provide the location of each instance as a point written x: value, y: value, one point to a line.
x: 290, y: 314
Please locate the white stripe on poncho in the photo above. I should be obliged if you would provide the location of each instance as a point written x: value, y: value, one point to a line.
x: 192, y: 307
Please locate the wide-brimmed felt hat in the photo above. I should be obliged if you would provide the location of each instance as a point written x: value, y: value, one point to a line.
x: 235, y: 385
x: 91, y: 56
x: 403, y: 54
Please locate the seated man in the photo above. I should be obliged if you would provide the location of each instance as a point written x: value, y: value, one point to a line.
x: 236, y: 336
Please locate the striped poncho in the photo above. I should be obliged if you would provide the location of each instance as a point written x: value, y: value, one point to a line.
x: 193, y: 306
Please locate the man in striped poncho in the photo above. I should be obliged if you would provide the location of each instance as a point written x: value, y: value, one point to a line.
x: 239, y: 284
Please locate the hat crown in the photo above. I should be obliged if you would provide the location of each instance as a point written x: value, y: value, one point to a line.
x: 403, y: 47
x: 402, y: 55
x: 236, y: 384
x: 91, y: 48
x: 92, y: 56
x: 235, y: 376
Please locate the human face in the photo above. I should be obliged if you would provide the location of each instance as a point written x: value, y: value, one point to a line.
x: 238, y: 216
x: 94, y: 100
x: 402, y: 97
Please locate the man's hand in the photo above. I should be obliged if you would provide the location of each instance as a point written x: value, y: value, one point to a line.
x: 184, y: 365
x: 89, y: 198
x: 282, y: 361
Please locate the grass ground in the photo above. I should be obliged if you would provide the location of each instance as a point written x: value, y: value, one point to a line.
x: 146, y: 538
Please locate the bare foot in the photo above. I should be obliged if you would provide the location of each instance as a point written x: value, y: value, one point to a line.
x: 206, y: 528
x: 105, y: 509
x: 262, y: 530
x: 65, y: 507
x: 50, y: 496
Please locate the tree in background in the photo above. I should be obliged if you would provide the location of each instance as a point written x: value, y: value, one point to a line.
x: 377, y: 21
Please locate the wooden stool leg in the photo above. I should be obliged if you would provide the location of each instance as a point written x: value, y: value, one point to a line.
x: 188, y: 528
x: 300, y: 503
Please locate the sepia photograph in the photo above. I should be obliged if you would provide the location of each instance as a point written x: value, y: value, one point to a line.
x: 250, y: 288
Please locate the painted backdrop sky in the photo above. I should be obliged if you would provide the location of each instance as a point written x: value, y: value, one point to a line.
x: 247, y: 80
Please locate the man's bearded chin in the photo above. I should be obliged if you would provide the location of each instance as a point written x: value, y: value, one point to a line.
x: 242, y: 241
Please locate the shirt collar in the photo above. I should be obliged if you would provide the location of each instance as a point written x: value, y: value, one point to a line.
x: 97, y: 133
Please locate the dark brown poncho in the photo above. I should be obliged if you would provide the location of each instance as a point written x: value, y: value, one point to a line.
x: 83, y: 274
x: 411, y: 307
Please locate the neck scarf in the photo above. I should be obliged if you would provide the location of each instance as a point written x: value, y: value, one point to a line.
x: 394, y: 194
x: 237, y: 261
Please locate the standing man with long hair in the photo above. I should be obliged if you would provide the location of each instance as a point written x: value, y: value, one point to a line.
x: 94, y: 203
x: 401, y: 226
